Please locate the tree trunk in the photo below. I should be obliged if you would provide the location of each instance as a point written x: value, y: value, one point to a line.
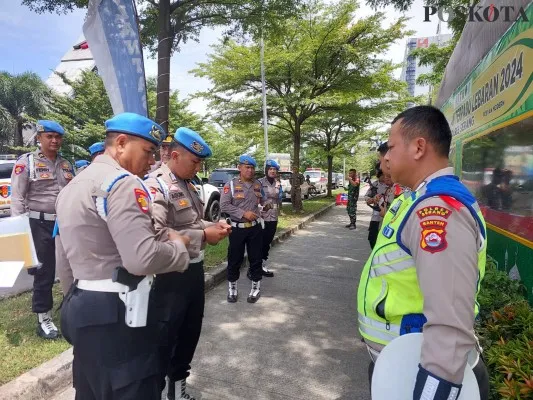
x: 296, y: 195
x: 164, y: 50
x: 330, y: 173
x: 19, y: 140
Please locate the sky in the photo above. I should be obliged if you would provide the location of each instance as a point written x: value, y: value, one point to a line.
x: 33, y: 42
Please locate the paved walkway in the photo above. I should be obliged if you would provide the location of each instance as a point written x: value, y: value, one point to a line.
x: 300, y: 340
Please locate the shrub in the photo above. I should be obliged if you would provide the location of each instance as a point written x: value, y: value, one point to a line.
x: 505, y: 327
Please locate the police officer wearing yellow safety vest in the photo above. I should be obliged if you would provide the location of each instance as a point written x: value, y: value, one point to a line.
x: 36, y: 181
x: 111, y: 252
x: 429, y: 259
x: 180, y: 295
x: 241, y: 199
x: 272, y: 191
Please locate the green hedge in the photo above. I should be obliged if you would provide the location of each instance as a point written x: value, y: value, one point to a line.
x: 505, y: 328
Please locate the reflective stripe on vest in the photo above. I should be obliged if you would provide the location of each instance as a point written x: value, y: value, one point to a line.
x: 385, y: 332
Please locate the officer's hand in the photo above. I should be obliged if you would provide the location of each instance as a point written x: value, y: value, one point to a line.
x: 267, y: 207
x: 225, y: 226
x: 215, y: 233
x: 250, y: 216
x: 175, y: 236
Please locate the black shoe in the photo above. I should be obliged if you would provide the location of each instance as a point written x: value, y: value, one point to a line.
x: 232, y: 292
x: 352, y: 227
x: 255, y: 293
x: 348, y: 226
x: 46, y: 328
x: 268, y: 273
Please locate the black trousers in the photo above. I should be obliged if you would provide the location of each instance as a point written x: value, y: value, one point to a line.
x: 373, y: 231
x: 480, y: 371
x: 268, y: 235
x: 43, y: 277
x: 180, y: 303
x: 111, y: 360
x: 239, y: 238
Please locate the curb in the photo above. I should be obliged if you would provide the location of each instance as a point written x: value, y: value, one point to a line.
x: 44, y: 381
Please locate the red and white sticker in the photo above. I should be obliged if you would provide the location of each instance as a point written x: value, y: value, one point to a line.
x: 141, y: 198
x: 19, y: 169
x: 433, y: 235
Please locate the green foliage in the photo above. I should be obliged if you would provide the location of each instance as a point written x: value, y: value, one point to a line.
x: 505, y: 329
x: 22, y: 98
x: 322, y: 71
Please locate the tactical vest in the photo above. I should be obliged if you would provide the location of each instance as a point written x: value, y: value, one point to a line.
x: 389, y: 300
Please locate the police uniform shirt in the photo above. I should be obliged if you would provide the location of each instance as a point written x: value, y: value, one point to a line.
x: 444, y: 239
x: 94, y: 247
x: 37, y: 189
x: 271, y: 194
x: 246, y: 196
x: 182, y: 211
x: 381, y: 188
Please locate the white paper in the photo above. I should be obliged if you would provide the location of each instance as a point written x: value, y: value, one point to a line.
x: 9, y: 272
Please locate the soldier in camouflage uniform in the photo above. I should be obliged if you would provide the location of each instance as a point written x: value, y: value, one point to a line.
x: 353, y: 195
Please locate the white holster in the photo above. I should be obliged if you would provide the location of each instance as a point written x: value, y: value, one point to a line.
x: 136, y: 303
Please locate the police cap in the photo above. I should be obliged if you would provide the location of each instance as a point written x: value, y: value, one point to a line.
x: 136, y: 125
x: 272, y: 164
x: 193, y: 142
x: 81, y: 163
x: 247, y: 160
x: 45, y: 125
x: 97, y: 147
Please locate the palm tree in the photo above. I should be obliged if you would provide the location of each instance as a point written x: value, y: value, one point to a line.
x: 22, y: 97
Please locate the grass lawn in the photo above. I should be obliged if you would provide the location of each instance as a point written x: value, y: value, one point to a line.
x: 21, y: 349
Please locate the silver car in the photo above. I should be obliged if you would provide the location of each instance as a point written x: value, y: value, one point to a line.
x: 286, y: 185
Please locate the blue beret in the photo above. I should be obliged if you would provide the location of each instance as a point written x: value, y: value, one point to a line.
x: 136, y: 125
x: 193, y: 142
x: 81, y: 163
x: 247, y: 160
x: 97, y: 147
x: 44, y: 125
x: 272, y: 164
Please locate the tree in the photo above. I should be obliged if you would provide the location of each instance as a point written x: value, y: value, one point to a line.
x: 323, y: 63
x: 22, y: 98
x: 166, y: 24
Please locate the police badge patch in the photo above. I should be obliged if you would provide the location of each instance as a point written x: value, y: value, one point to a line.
x: 433, y: 234
x: 141, y: 198
x: 155, y: 133
x: 197, y: 147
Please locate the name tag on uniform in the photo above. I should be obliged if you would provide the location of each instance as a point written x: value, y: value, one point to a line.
x: 395, y: 207
x: 239, y: 195
x: 388, y: 232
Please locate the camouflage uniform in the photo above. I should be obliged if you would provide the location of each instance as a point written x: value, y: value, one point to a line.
x: 353, y: 196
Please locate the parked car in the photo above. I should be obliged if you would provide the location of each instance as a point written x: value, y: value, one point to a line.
x: 220, y: 176
x: 318, y: 178
x: 6, y: 166
x: 210, y: 195
x: 286, y: 185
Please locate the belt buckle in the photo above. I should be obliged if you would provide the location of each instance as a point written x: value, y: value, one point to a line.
x: 247, y: 224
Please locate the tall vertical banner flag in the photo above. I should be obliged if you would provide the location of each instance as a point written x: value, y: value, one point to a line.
x: 112, y: 32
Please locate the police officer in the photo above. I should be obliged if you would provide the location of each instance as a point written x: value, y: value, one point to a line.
x: 164, y: 153
x: 425, y: 270
x: 96, y: 149
x: 180, y: 296
x: 272, y: 192
x: 105, y: 221
x: 240, y: 199
x: 81, y: 165
x: 36, y: 181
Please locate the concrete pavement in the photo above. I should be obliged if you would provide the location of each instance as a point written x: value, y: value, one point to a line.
x: 300, y: 340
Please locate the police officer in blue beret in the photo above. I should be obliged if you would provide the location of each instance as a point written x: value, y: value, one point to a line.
x: 241, y: 199
x: 81, y: 165
x: 105, y: 221
x: 180, y: 296
x: 36, y: 181
x: 96, y: 149
x: 272, y: 191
